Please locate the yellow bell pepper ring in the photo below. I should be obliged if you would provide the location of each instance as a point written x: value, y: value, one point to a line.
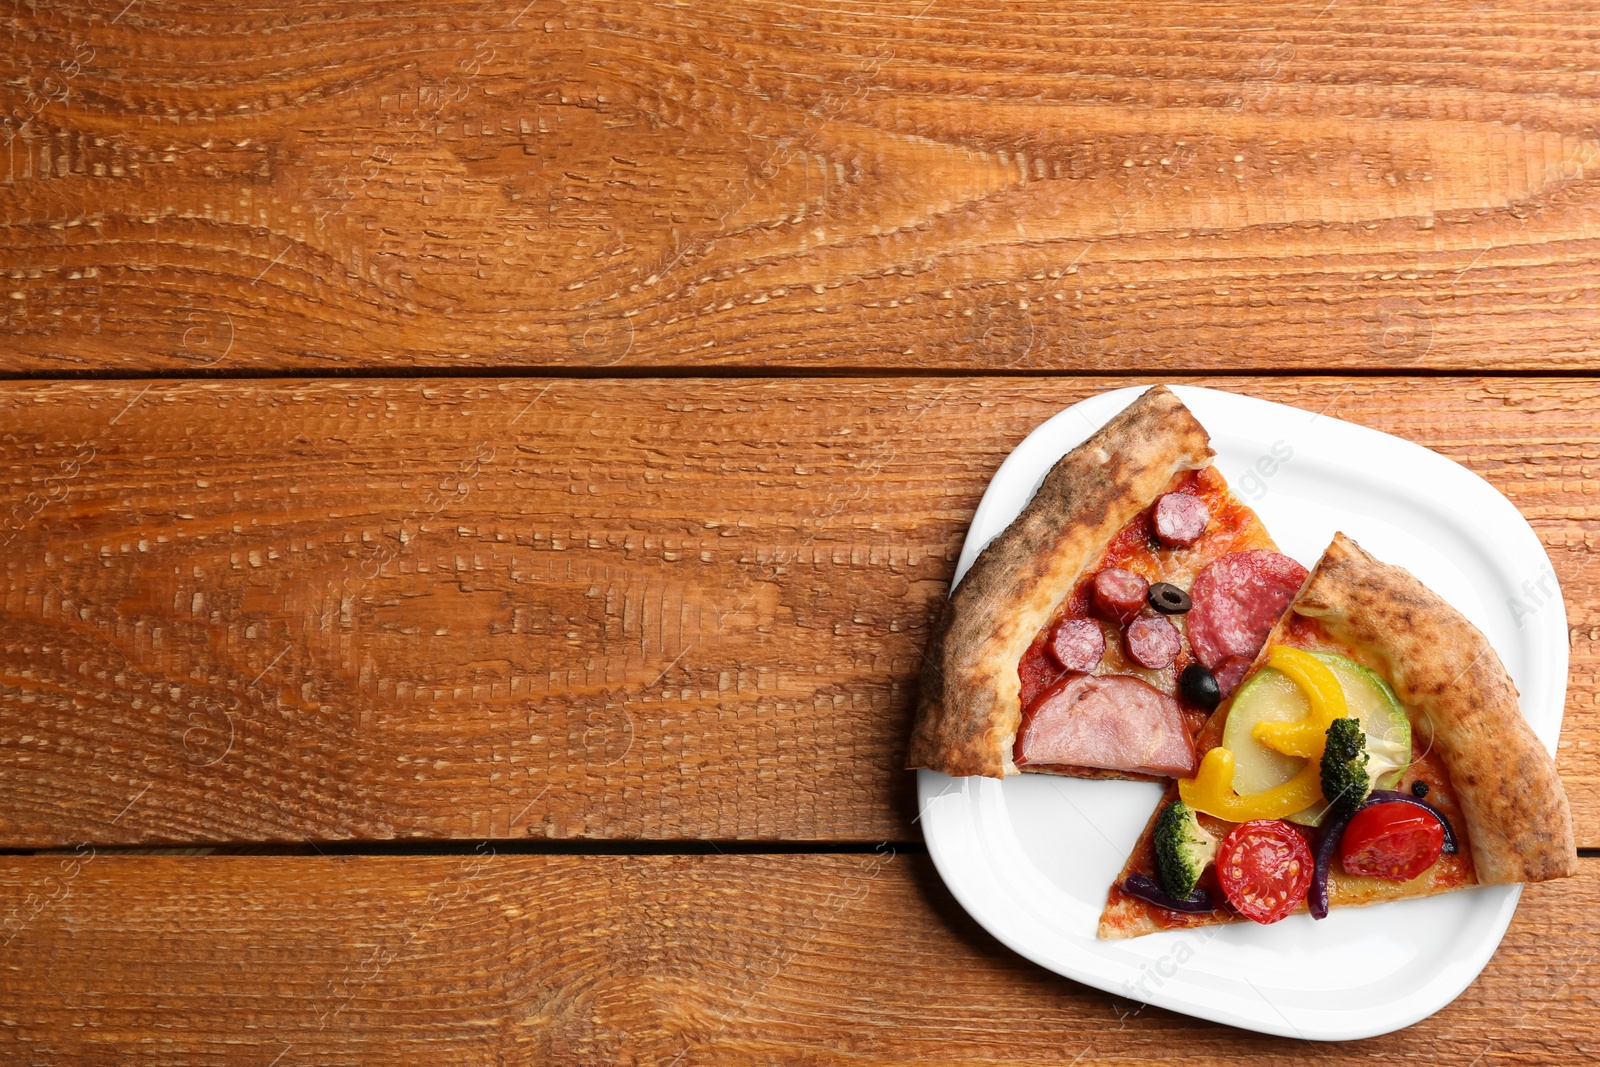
x: 1290, y: 738
x: 1326, y: 696
x: 1211, y: 790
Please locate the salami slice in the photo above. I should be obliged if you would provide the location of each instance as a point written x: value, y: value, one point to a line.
x: 1153, y: 641
x: 1078, y: 644
x: 1119, y: 594
x: 1230, y: 672
x: 1180, y: 519
x: 1112, y: 722
x: 1237, y: 598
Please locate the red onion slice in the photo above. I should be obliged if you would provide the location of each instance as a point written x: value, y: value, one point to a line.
x: 1317, y: 896
x: 1138, y: 885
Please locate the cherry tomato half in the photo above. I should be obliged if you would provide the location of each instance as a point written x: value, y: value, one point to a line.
x: 1264, y: 868
x: 1393, y: 841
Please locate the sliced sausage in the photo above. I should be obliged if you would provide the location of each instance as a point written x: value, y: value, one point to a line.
x: 1112, y: 722
x: 1230, y: 672
x: 1153, y: 641
x: 1180, y: 519
x: 1119, y: 594
x: 1236, y: 599
x: 1078, y: 644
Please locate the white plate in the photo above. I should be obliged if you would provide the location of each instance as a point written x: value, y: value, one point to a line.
x: 1031, y: 858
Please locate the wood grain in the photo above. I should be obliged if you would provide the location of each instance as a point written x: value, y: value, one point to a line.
x: 244, y: 611
x: 1086, y: 185
x: 647, y: 960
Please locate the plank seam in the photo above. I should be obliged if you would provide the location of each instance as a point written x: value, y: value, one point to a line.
x: 758, y: 373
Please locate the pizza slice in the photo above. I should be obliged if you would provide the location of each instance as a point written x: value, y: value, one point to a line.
x: 1374, y: 752
x: 1096, y: 633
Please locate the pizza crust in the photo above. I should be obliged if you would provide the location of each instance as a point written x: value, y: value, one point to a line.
x: 969, y: 706
x: 1465, y: 705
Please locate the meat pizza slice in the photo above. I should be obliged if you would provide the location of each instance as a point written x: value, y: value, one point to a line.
x: 1374, y: 752
x: 1094, y: 635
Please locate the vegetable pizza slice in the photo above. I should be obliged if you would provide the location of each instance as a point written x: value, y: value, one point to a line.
x: 1374, y: 752
x: 1096, y: 633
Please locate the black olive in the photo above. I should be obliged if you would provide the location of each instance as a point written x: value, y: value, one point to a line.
x: 1199, y: 686
x: 1419, y: 789
x: 1168, y: 599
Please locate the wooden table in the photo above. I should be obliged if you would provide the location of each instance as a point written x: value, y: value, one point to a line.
x: 477, y: 477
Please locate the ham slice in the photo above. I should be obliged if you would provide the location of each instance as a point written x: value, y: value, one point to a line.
x: 1112, y: 722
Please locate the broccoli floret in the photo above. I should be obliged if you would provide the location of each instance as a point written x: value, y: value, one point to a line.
x: 1384, y: 758
x: 1183, y: 849
x: 1345, y: 781
x: 1353, y: 761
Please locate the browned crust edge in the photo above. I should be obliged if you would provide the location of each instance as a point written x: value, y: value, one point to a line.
x: 969, y: 708
x: 1466, y: 708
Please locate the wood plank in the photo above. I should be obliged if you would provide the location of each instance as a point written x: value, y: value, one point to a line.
x: 648, y: 959
x: 1082, y: 185
x: 243, y: 611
